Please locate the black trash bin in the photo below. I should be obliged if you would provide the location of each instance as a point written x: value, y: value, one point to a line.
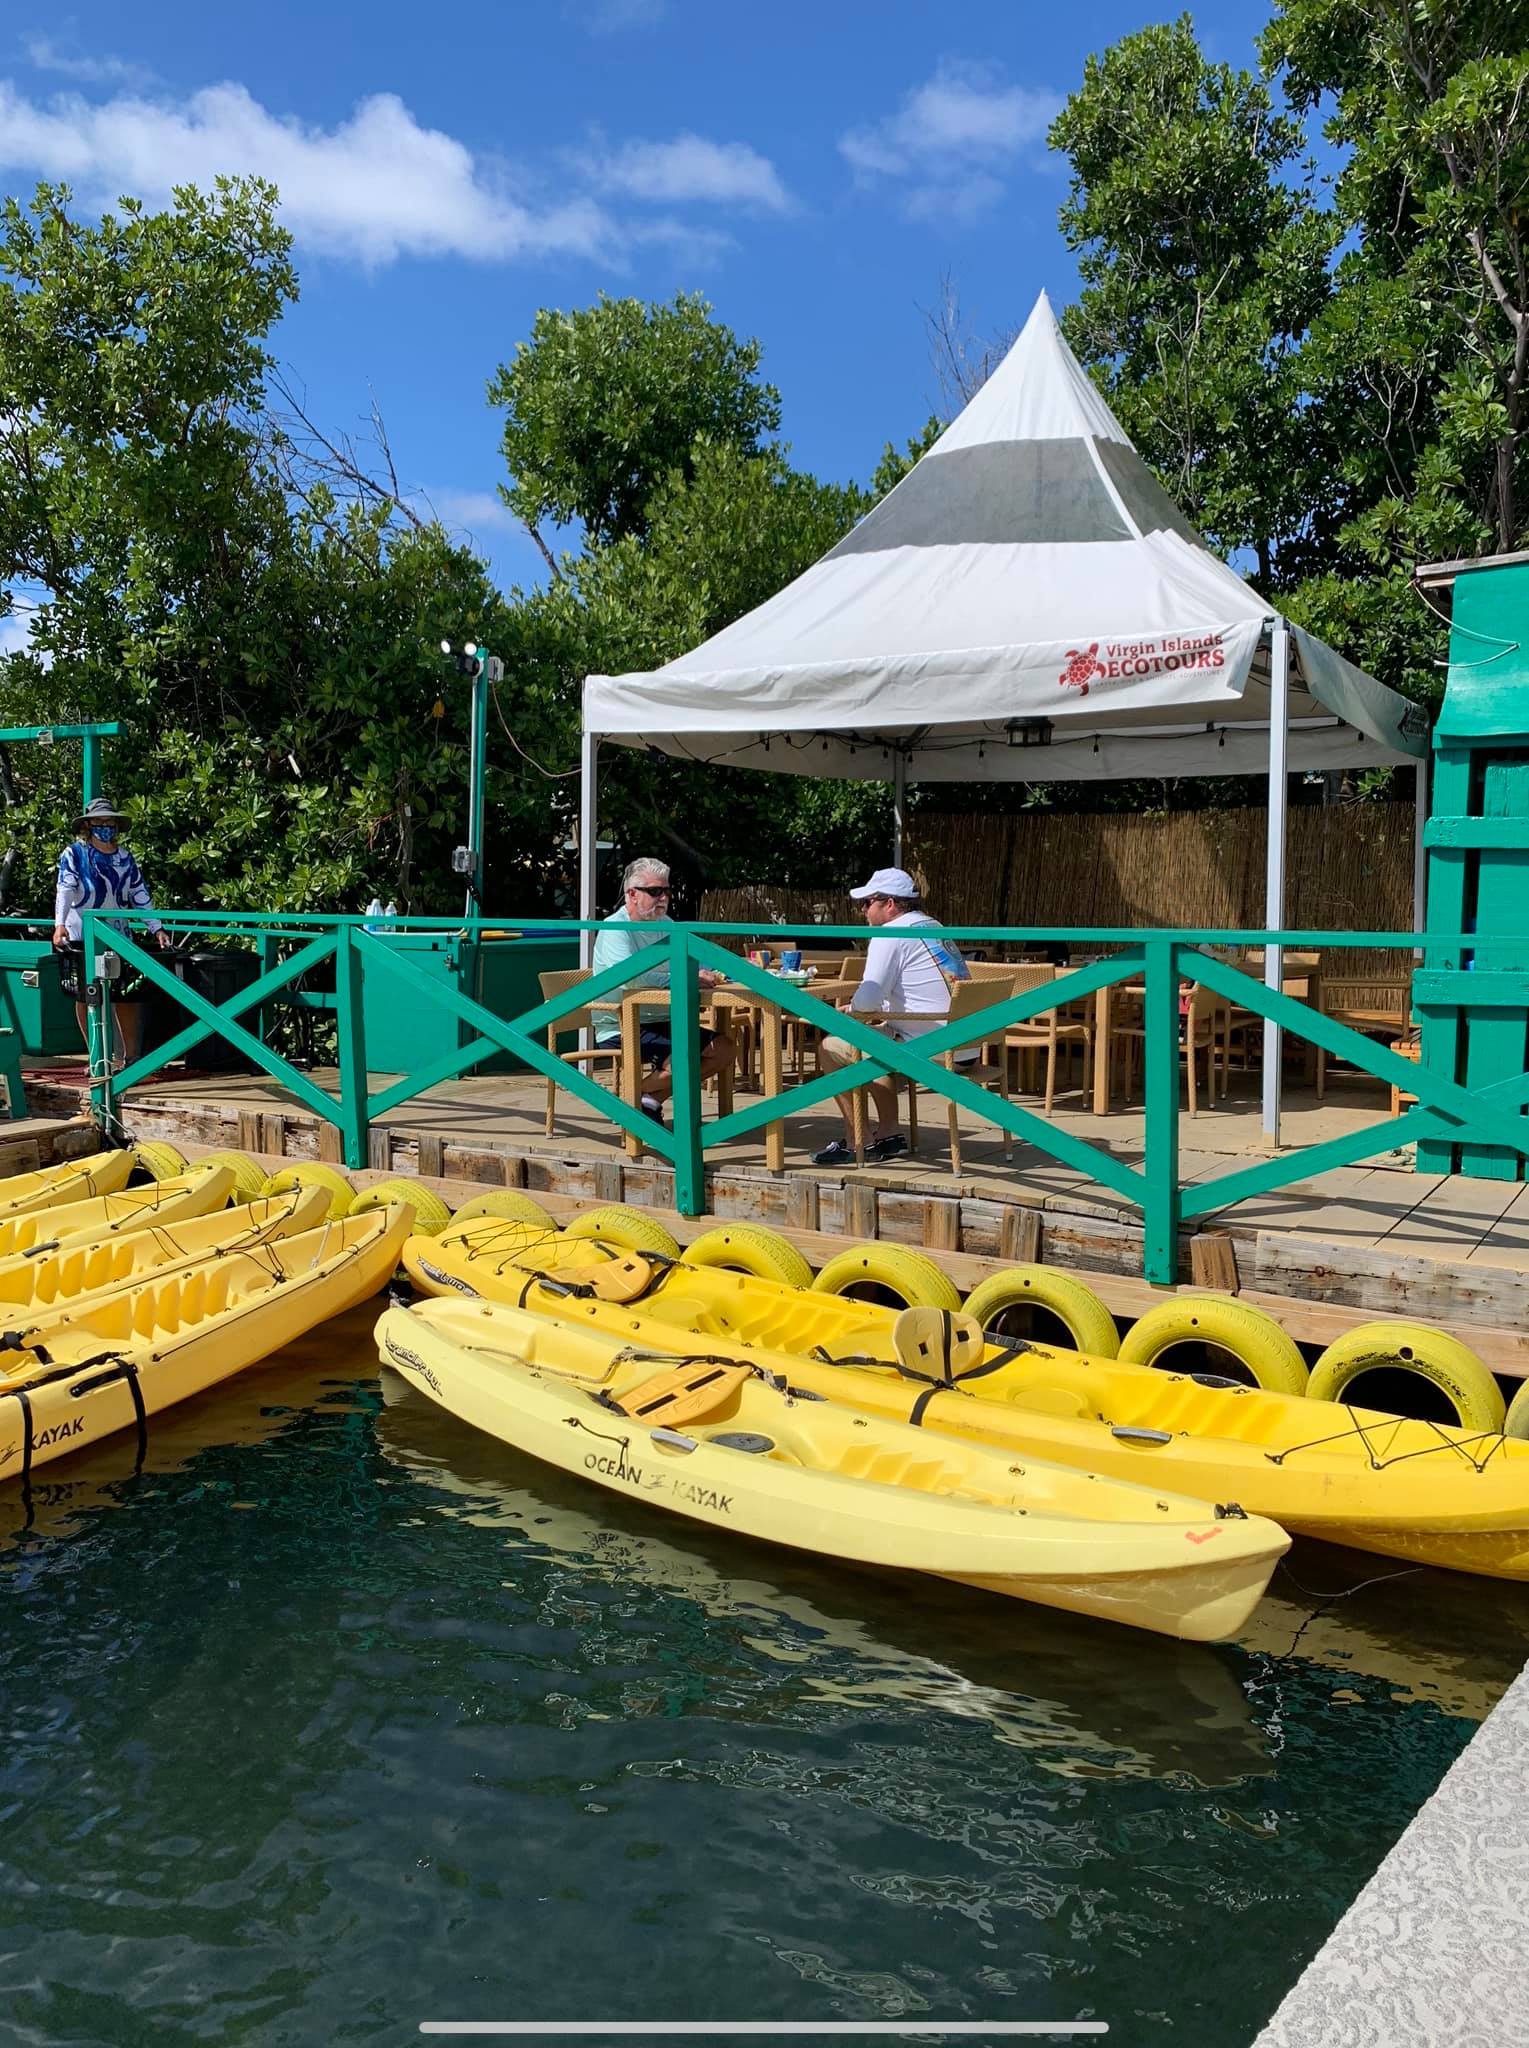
x: 215, y: 973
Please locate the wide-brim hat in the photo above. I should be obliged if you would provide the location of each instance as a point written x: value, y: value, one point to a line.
x: 99, y: 811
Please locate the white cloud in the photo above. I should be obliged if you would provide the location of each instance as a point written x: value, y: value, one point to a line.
x: 691, y: 169
x: 377, y: 185
x: 470, y: 510
x: 950, y: 139
x: 43, y: 54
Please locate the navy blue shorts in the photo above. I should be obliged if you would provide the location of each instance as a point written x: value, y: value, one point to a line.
x: 658, y: 1045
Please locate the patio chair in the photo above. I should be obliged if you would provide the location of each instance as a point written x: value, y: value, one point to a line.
x: 1379, y: 1009
x: 967, y: 998
x: 1069, y: 1026
x: 1205, y: 1026
x: 554, y: 984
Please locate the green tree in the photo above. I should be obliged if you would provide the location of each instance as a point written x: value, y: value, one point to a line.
x: 1202, y: 267
x: 602, y: 404
x: 271, y: 649
x: 1422, y: 361
x: 647, y: 425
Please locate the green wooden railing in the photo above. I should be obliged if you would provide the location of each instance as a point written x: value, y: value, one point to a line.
x: 293, y: 947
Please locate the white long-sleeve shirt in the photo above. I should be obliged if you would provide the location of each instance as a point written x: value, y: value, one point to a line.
x: 89, y: 879
x: 905, y: 974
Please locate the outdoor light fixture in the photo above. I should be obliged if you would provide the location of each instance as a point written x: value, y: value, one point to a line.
x: 1029, y: 732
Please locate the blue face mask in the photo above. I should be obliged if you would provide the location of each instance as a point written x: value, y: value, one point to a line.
x: 107, y: 834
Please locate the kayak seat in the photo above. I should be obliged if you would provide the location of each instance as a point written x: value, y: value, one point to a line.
x: 687, y: 1393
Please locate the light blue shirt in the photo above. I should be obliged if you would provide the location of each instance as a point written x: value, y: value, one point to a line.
x: 619, y: 940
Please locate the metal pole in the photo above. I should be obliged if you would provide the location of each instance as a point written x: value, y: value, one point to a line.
x: 477, y: 764
x: 589, y: 819
x: 899, y: 804
x: 1419, y: 850
x: 92, y: 765
x: 1274, y: 881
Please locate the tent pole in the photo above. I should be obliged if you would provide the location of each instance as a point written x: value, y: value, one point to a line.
x: 899, y: 804
x: 589, y: 853
x: 1419, y: 851
x: 1274, y: 875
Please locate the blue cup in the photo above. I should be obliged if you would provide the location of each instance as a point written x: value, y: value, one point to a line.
x: 791, y: 959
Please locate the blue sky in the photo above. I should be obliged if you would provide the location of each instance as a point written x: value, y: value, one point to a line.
x: 815, y: 170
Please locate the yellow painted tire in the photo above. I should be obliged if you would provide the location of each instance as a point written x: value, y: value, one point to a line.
x: 312, y: 1173
x: 1517, y: 1423
x: 430, y: 1213
x: 916, y: 1281
x: 1089, y: 1324
x: 628, y: 1228
x: 1433, y: 1355
x: 745, y: 1248
x: 506, y: 1202
x: 159, y: 1159
x: 249, y: 1179
x: 1252, y: 1337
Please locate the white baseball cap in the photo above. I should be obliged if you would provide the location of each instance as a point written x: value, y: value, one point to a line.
x: 887, y: 882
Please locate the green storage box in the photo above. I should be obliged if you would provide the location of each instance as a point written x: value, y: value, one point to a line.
x: 405, y: 1032
x: 32, y: 1002
x: 508, y: 983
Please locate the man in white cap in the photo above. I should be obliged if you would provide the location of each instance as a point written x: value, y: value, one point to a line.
x: 906, y: 976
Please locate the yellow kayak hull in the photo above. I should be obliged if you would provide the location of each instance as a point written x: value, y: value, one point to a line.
x: 816, y: 1477
x: 37, y: 1292
x: 1415, y: 1490
x: 101, y: 1174
x: 137, y: 1352
x: 197, y: 1192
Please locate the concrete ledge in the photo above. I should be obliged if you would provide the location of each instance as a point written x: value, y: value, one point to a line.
x: 1435, y: 1949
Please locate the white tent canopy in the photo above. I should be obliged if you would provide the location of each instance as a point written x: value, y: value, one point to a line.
x: 1029, y: 568
x: 1027, y: 604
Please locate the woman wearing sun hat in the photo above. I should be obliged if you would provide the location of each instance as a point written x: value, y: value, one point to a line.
x: 96, y: 872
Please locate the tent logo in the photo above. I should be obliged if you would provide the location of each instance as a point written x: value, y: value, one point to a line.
x: 1083, y: 664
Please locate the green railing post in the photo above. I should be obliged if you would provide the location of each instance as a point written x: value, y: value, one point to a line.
x: 351, y: 1033
x: 685, y: 1055
x: 1160, y: 1260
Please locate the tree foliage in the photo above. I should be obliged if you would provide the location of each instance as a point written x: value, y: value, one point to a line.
x: 603, y: 404
x: 1202, y: 267
x: 1336, y: 384
x: 271, y: 649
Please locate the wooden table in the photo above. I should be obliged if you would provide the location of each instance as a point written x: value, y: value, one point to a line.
x: 722, y: 999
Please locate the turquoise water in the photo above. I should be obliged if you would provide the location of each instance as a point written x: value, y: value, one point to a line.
x: 339, y: 1717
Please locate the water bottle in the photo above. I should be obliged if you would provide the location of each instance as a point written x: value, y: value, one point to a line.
x: 390, y: 916
x: 373, y: 915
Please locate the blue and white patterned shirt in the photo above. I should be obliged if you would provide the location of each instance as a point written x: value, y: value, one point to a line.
x: 89, y: 879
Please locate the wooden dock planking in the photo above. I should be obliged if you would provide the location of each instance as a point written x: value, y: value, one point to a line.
x: 1340, y: 1249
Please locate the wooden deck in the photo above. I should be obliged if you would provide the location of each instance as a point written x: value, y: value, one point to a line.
x: 1357, y: 1242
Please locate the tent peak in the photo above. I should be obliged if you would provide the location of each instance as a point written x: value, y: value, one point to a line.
x: 1039, y: 392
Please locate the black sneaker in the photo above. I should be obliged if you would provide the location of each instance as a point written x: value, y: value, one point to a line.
x: 835, y: 1154
x: 651, y: 1106
x: 887, y: 1148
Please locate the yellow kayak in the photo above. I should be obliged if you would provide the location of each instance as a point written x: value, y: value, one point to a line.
x: 196, y: 1192
x: 718, y: 1443
x: 49, y: 1284
x: 142, y: 1349
x: 1417, y: 1490
x: 101, y: 1174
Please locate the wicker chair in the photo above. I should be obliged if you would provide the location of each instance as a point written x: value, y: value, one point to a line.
x: 1380, y: 1009
x: 1068, y: 1026
x: 1206, y: 1028
x: 555, y: 984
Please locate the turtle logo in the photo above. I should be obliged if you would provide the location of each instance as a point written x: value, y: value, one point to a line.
x: 1083, y: 664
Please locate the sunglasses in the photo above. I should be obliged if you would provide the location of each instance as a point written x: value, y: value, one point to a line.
x: 643, y: 889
